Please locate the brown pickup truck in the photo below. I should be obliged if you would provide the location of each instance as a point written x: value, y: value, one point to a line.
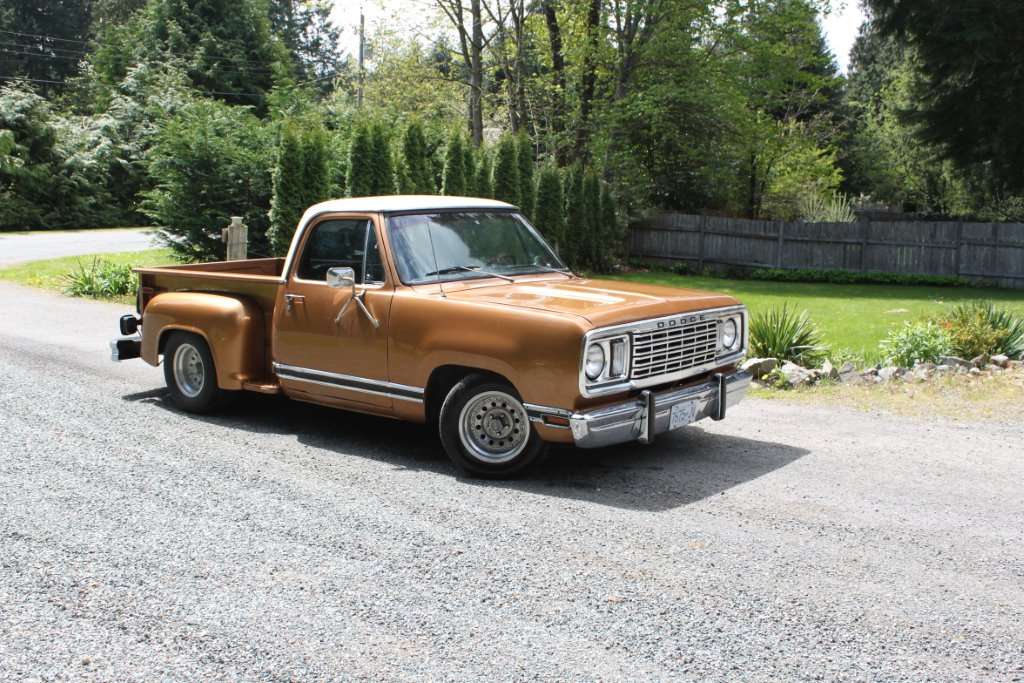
x: 446, y: 310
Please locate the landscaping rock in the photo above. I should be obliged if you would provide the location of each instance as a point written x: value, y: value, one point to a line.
x: 759, y: 367
x: 921, y: 373
x: 1000, y: 360
x: 954, y: 361
x: 888, y: 373
x: 975, y: 371
x: 795, y: 375
x: 993, y: 368
x: 828, y: 370
x: 942, y: 369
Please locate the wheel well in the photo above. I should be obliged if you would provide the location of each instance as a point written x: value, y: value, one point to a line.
x: 166, y: 333
x: 441, y: 381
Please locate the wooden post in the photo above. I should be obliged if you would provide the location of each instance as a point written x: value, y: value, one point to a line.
x: 782, y: 244
x: 959, y: 245
x: 702, y: 226
x: 237, y: 237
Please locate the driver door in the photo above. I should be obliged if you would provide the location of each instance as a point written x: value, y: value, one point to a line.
x: 319, y: 354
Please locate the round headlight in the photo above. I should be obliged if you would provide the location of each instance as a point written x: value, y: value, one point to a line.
x: 595, y: 362
x: 729, y: 334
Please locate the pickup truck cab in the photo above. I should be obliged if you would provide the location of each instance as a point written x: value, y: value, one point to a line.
x: 447, y: 310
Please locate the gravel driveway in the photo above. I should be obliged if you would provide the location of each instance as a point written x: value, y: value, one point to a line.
x: 17, y: 247
x: 283, y: 541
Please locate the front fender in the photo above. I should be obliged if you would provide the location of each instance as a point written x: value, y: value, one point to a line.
x: 232, y: 326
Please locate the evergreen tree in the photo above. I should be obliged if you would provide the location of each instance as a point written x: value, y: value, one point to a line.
x: 968, y: 96
x: 39, y: 37
x: 210, y: 161
x: 575, y: 235
x: 483, y: 176
x: 312, y: 40
x: 301, y: 178
x: 593, y: 247
x: 338, y: 148
x: 524, y: 158
x: 286, y: 203
x: 418, y: 170
x: 506, y: 171
x: 316, y: 164
x: 468, y: 164
x: 549, y: 215
x: 381, y: 169
x: 454, y: 181
x: 360, y: 178
x: 611, y: 238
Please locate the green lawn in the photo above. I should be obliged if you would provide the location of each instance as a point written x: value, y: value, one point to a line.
x: 50, y: 273
x: 851, y: 317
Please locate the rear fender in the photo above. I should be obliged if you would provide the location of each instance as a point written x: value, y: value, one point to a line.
x: 232, y: 326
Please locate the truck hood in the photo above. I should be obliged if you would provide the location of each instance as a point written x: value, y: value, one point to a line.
x: 600, y: 302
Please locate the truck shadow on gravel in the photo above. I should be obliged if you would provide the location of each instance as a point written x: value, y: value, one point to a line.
x: 680, y: 468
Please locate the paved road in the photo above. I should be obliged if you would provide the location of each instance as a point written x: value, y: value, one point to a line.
x: 284, y: 541
x: 18, y: 247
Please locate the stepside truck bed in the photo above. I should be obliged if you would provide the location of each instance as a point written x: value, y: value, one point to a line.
x: 253, y: 282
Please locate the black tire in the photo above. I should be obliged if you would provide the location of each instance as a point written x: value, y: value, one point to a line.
x: 192, y: 396
x: 507, y: 446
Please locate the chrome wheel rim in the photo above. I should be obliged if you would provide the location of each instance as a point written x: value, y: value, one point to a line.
x: 189, y: 371
x: 494, y: 427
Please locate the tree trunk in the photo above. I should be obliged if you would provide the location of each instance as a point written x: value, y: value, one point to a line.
x: 589, y: 80
x: 476, y: 72
x: 558, y: 78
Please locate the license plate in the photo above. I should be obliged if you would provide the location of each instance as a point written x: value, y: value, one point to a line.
x: 682, y: 414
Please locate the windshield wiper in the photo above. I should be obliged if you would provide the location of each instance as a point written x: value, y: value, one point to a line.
x: 548, y: 269
x: 467, y: 269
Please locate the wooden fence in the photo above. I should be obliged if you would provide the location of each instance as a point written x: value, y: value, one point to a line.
x: 992, y: 253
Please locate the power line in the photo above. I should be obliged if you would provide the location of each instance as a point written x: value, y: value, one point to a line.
x: 238, y: 60
x: 201, y: 92
x: 31, y: 80
x: 35, y: 55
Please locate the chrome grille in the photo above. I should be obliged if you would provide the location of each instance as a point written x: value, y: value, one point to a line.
x: 665, y: 351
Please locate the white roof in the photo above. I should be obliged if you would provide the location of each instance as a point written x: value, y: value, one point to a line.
x: 404, y: 202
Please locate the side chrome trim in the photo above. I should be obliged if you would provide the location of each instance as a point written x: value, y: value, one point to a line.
x: 339, y: 381
x: 536, y: 413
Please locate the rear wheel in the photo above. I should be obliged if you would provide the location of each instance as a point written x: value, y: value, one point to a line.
x: 485, y: 430
x: 190, y: 373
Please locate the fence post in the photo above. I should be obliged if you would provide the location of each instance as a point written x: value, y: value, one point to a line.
x: 701, y: 226
x: 865, y: 228
x: 959, y: 244
x: 782, y: 240
x: 237, y: 237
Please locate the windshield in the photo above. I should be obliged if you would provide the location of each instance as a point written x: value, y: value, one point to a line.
x: 431, y: 247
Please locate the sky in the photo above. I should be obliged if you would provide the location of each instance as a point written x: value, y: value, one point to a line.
x: 840, y: 26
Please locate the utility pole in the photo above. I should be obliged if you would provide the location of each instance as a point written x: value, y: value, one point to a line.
x: 362, y: 51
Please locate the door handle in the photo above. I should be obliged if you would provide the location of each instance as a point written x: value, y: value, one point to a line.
x: 292, y: 299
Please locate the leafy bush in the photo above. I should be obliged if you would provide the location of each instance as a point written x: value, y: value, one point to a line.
x: 846, y: 277
x: 980, y: 328
x: 787, y: 335
x: 920, y: 342
x: 100, y: 280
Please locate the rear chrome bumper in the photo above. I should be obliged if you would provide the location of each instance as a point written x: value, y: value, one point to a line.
x: 644, y: 417
x: 125, y: 348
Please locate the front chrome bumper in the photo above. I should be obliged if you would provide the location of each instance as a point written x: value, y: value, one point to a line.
x: 644, y: 417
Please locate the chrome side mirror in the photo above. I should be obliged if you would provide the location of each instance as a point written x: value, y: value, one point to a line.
x: 339, y: 277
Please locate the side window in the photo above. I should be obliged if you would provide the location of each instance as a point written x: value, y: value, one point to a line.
x: 349, y: 243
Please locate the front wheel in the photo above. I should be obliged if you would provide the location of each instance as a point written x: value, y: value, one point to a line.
x: 190, y: 373
x: 485, y: 430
